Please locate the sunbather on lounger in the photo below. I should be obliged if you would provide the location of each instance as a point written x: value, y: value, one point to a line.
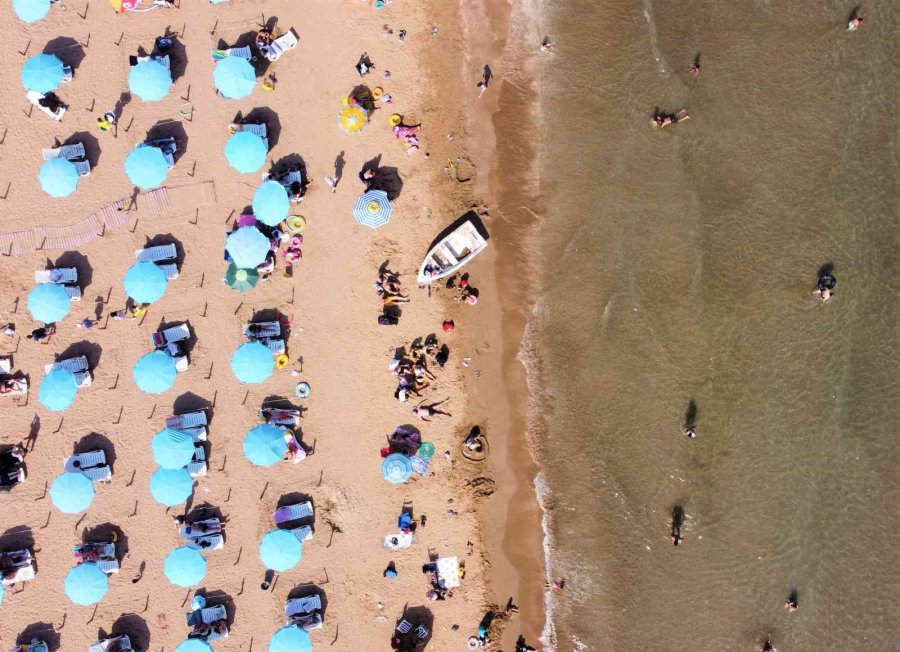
x: 204, y: 630
x: 296, y: 451
x: 11, y: 386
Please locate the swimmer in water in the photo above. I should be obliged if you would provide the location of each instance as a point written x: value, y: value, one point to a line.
x: 825, y: 287
x: 791, y: 605
x: 853, y: 25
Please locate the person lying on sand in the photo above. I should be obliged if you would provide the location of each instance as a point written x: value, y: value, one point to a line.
x: 430, y: 410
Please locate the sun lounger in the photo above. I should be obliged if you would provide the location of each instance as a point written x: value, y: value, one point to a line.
x: 98, y: 474
x: 198, y: 466
x: 303, y: 533
x: 187, y: 420
x: 22, y: 574
x: 258, y: 129
x: 108, y: 566
x: 74, y: 292
x: 193, y: 530
x: 60, y: 275
x: 279, y: 46
x: 243, y: 53
x: 123, y: 644
x: 207, y: 543
x: 215, y: 636
x: 83, y: 168
x: 404, y: 627
x: 305, y: 605
x: 293, y: 512
x: 262, y: 330
x: 34, y: 97
x: 5, y: 364
x: 104, y: 550
x: 291, y: 178
x: 421, y: 632
x: 170, y: 335
x: 20, y: 386
x: 170, y: 270
x: 280, y: 417
x: 207, y: 616
x: 83, y: 378
x: 156, y: 254
x: 277, y: 347
x: 74, y: 365
x: 164, y: 60
x: 84, y: 461
x: 73, y: 152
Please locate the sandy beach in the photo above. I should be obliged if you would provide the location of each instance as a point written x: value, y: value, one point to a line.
x: 335, y: 343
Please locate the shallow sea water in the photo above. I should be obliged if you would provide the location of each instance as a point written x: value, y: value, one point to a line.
x: 679, y: 265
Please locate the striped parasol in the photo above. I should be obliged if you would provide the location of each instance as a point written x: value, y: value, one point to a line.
x: 373, y: 209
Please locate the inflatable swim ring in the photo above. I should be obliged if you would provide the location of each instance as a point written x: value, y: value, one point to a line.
x: 302, y: 390
x: 281, y: 361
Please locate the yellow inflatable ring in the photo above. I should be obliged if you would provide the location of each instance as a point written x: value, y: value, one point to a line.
x: 281, y: 361
x: 395, y: 119
x: 377, y: 92
x: 296, y: 223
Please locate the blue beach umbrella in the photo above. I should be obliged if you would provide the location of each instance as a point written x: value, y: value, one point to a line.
x: 234, y: 77
x: 58, y: 389
x: 86, y: 584
x: 150, y: 80
x: 58, y: 177
x: 373, y: 209
x: 2, y: 591
x: 271, y: 203
x: 396, y: 468
x: 49, y: 302
x: 185, y: 566
x: 72, y: 493
x: 43, y: 73
x: 146, y: 167
x: 247, y: 247
x: 246, y: 152
x: 172, y: 449
x: 193, y: 645
x: 154, y: 373
x: 290, y: 639
x: 31, y: 11
x: 171, y: 487
x: 280, y: 550
x: 252, y: 363
x: 264, y: 445
x: 145, y: 282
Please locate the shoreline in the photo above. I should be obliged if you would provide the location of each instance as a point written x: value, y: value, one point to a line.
x: 501, y: 146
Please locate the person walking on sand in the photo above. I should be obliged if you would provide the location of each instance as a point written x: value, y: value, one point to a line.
x: 430, y: 410
x: 547, y: 45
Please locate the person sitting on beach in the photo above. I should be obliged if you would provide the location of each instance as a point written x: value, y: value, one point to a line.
x: 263, y: 38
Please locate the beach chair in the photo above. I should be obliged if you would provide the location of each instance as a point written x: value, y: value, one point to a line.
x: 262, y: 329
x: 108, y: 566
x: 62, y: 275
x: 170, y: 335
x: 207, y: 616
x: 74, y: 292
x: 5, y: 364
x: 121, y: 643
x: 83, y: 378
x: 156, y: 254
x: 73, y: 152
x: 98, y: 474
x: 75, y: 365
x: 187, y: 420
x: 181, y: 363
x: 192, y: 530
x: 83, y: 461
x: 164, y: 60
x: 293, y: 512
x: 421, y: 632
x: 258, y: 129
x: 305, y: 605
x: 279, y: 46
x: 215, y: 636
x: 404, y: 627
x: 34, y: 97
x: 198, y: 466
x: 291, y: 178
x: 302, y: 533
x: 207, y: 543
x: 83, y: 168
x: 277, y: 347
x: 280, y: 416
x: 170, y: 270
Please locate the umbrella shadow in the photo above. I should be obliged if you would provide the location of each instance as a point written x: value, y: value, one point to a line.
x: 91, y: 146
x: 41, y: 631
x: 177, y: 52
x: 19, y: 537
x: 162, y: 239
x: 105, y: 533
x: 95, y: 441
x: 135, y: 628
x: 387, y: 179
x: 67, y: 49
x: 219, y: 597
x: 170, y: 129
x: 91, y: 350
x: 263, y: 115
x: 417, y: 617
x: 190, y: 402
x: 80, y: 262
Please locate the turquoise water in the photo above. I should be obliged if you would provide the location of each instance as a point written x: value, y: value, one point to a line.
x: 680, y: 265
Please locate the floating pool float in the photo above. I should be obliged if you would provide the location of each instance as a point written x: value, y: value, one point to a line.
x: 281, y: 361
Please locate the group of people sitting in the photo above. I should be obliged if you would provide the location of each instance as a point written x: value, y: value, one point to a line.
x: 389, y: 288
x: 407, y: 134
x: 412, y: 372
